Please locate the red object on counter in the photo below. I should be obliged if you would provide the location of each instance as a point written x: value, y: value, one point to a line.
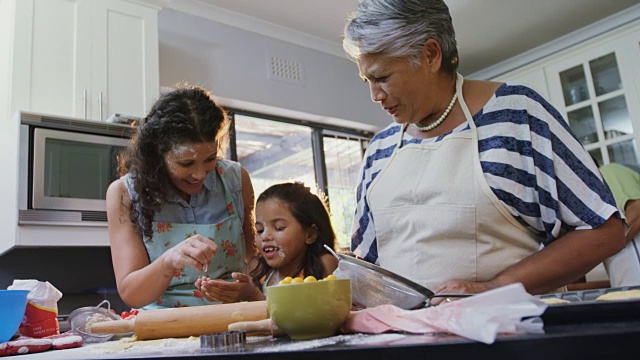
x: 28, y: 345
x: 65, y: 341
x: 39, y: 322
x: 127, y: 315
x: 24, y: 346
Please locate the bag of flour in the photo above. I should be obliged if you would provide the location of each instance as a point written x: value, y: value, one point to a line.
x: 41, y: 316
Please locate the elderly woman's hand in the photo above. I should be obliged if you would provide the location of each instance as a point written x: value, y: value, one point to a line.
x: 459, y: 287
x: 196, y: 251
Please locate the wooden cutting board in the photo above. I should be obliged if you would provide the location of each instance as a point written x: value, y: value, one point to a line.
x: 185, y: 322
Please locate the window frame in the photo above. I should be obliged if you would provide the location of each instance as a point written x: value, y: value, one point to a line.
x: 318, y: 132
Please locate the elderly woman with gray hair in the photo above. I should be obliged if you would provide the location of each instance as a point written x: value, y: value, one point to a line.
x: 475, y: 184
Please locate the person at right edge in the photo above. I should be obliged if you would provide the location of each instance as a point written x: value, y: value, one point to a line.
x: 623, y: 268
x: 476, y: 184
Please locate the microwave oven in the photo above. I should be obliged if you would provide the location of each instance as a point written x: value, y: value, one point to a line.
x: 66, y: 166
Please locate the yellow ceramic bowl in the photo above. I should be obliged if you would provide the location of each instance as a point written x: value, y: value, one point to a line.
x: 310, y: 310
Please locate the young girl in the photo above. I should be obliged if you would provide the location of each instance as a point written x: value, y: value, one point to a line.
x: 292, y: 227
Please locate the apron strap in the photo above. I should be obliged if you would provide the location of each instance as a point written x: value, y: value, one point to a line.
x: 476, y: 163
x: 463, y: 104
x: 403, y: 127
x: 227, y: 193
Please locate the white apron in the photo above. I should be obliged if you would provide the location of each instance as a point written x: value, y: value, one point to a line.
x: 435, y: 216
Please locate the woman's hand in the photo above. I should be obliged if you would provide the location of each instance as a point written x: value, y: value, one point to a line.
x: 458, y: 287
x: 242, y: 289
x: 196, y: 251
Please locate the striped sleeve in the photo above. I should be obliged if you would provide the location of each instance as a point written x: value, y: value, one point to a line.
x: 536, y: 166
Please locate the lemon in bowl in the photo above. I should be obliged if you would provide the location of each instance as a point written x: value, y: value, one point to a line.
x: 310, y: 309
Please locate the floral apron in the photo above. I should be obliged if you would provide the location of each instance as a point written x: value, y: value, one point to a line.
x: 227, y: 234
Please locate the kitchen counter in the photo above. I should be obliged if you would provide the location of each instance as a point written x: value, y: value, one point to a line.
x: 583, y: 328
x: 586, y: 340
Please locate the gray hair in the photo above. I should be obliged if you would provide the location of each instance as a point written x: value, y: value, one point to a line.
x: 400, y: 28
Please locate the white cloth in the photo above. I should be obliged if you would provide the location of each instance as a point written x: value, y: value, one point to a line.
x: 623, y: 268
x: 480, y: 317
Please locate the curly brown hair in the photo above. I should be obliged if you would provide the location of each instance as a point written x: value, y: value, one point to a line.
x: 309, y: 210
x: 185, y: 115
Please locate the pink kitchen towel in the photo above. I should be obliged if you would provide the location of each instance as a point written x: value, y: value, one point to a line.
x: 508, y: 309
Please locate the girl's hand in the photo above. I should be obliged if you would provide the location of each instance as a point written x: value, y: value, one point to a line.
x: 196, y: 251
x: 200, y: 281
x: 242, y: 289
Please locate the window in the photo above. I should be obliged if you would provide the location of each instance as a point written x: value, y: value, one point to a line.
x: 325, y: 158
x: 343, y: 157
x: 274, y: 152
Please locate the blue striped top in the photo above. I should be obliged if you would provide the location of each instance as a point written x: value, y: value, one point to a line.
x: 531, y: 160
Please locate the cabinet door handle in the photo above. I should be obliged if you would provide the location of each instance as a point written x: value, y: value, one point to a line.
x: 100, y: 104
x: 84, y: 102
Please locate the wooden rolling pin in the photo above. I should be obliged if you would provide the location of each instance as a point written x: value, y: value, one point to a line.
x: 186, y: 321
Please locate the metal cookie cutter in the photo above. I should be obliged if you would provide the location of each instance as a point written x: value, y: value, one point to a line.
x: 227, y: 341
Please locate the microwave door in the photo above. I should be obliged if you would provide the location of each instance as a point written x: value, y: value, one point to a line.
x: 71, y: 171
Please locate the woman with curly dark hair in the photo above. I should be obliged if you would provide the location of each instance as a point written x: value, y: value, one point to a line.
x: 180, y: 212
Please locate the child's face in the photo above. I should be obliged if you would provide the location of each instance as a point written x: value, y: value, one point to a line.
x: 281, y: 239
x: 188, y: 165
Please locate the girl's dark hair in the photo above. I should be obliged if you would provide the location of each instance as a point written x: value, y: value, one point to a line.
x: 309, y: 210
x: 185, y: 115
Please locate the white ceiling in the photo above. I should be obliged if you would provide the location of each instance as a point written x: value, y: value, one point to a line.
x: 488, y: 31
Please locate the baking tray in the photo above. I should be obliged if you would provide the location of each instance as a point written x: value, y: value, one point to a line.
x: 584, y: 308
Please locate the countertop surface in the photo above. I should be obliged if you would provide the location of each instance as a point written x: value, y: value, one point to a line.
x: 578, y: 330
x: 580, y: 341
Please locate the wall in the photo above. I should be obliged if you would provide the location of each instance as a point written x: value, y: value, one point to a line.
x: 233, y: 64
x: 6, y: 22
x: 8, y: 131
x: 563, y: 43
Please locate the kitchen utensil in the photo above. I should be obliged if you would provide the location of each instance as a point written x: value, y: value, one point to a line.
x: 372, y: 285
x: 186, y: 321
x: 221, y: 340
x: 81, y: 320
x: 12, y: 306
x: 310, y: 310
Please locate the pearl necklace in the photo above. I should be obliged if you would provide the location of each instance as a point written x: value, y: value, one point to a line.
x: 440, y: 119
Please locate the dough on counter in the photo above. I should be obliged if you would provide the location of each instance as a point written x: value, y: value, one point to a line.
x: 554, y: 300
x: 132, y: 344
x: 620, y: 295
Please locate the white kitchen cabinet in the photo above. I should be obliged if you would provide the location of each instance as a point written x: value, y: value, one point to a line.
x: 595, y: 85
x: 596, y: 89
x: 85, y: 59
x: 532, y: 77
